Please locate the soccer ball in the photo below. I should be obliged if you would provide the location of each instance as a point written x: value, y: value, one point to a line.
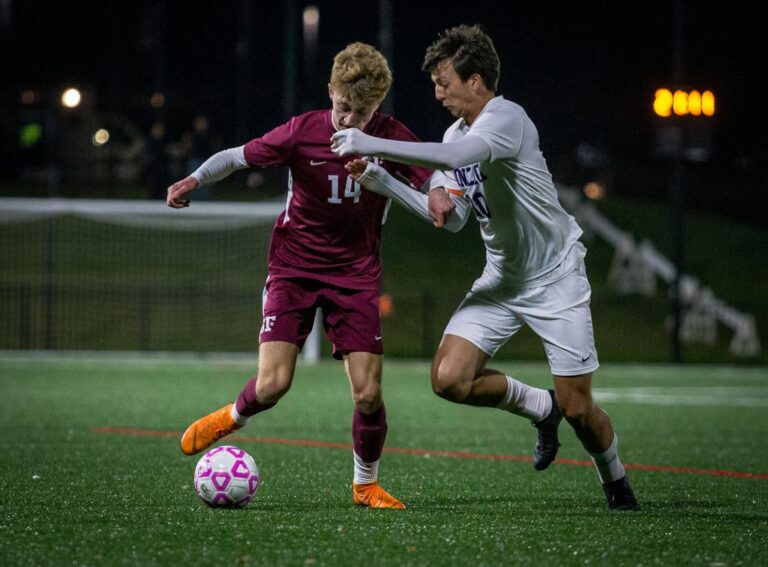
x: 226, y: 477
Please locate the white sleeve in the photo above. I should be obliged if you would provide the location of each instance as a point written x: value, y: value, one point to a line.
x: 378, y: 180
x: 447, y: 155
x: 220, y: 165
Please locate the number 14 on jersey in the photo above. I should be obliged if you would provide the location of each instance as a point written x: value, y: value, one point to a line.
x: 351, y: 190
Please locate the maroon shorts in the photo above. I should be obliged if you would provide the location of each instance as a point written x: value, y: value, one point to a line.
x: 350, y: 316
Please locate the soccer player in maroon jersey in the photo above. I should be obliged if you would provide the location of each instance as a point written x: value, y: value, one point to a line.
x: 324, y: 253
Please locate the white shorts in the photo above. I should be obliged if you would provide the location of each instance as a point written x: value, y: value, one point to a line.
x: 558, y: 313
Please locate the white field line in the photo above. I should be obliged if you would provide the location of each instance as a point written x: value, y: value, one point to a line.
x: 724, y: 396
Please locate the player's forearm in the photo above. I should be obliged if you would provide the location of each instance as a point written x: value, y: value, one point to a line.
x: 450, y: 155
x: 460, y: 213
x: 220, y: 165
x: 378, y: 180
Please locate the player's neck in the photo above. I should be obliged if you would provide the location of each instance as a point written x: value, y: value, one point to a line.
x: 476, y: 108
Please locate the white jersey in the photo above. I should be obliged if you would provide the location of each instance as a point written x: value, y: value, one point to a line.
x: 529, y: 238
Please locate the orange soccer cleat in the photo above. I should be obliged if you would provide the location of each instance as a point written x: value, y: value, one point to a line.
x: 374, y: 496
x: 207, y: 430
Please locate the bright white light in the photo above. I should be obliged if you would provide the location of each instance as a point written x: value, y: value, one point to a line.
x: 71, y: 98
x: 101, y: 137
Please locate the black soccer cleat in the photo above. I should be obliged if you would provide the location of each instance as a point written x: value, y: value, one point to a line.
x: 620, y: 496
x: 547, y: 442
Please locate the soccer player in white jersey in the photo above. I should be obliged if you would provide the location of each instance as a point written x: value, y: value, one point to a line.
x: 534, y: 273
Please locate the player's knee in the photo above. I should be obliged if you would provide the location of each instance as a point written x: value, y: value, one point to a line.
x: 576, y: 409
x: 270, y: 387
x: 450, y: 384
x: 368, y: 398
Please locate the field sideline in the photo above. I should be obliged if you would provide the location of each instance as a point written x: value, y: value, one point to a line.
x: 92, y: 473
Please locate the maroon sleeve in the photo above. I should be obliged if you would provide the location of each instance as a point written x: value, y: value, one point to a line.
x: 273, y: 148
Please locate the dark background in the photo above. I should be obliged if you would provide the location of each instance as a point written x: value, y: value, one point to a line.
x: 585, y: 72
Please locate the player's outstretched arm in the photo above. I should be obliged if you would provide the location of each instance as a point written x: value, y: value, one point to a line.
x: 215, y: 168
x: 378, y: 180
x: 448, y: 155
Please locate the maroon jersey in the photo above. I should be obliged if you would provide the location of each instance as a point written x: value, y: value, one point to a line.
x: 331, y: 227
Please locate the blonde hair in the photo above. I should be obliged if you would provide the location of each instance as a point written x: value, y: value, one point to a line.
x: 361, y: 74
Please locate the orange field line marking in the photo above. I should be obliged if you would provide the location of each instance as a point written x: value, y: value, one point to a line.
x: 432, y: 453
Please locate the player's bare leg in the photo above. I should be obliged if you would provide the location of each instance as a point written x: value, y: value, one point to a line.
x: 369, y: 430
x: 277, y: 362
x: 594, y: 429
x: 592, y: 425
x: 459, y: 375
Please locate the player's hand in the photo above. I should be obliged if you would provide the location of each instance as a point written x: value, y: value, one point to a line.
x: 357, y: 167
x: 440, y: 206
x: 352, y: 141
x: 178, y: 190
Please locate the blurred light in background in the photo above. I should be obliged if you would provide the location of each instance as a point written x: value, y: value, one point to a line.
x: 254, y: 180
x: 681, y: 103
x: 100, y: 137
x: 30, y: 134
x: 386, y: 305
x: 311, y: 16
x: 662, y: 103
x: 594, y: 190
x: 30, y: 97
x: 311, y: 19
x: 157, y: 100
x: 71, y: 98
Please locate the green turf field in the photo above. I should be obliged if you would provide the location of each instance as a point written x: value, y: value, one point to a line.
x: 74, y: 493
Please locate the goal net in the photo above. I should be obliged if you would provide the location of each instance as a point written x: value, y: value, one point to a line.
x: 132, y: 275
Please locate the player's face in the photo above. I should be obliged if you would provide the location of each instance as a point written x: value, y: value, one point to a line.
x: 349, y: 114
x: 457, y: 96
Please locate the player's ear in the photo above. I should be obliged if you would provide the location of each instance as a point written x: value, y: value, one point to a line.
x: 476, y: 82
x: 330, y: 91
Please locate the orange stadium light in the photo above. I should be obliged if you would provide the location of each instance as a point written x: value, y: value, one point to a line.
x: 682, y: 103
x: 662, y: 103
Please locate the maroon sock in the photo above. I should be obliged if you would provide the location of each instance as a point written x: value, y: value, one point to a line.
x: 247, y: 404
x: 368, y: 434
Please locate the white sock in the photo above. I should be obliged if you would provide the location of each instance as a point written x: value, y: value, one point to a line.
x: 608, y: 464
x: 522, y: 399
x: 241, y: 420
x: 365, y: 472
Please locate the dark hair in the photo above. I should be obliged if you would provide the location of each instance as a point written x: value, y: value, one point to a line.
x: 470, y: 51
